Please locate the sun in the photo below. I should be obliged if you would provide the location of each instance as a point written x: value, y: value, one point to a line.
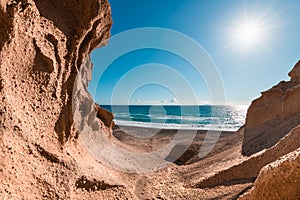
x: 248, y: 34
x: 252, y: 27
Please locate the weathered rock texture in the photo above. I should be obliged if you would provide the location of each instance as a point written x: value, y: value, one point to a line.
x: 105, y: 116
x: 42, y: 46
x: 278, y: 180
x: 273, y: 115
x: 272, y: 130
x: 248, y: 170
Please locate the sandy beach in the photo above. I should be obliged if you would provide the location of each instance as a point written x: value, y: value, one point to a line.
x: 151, y: 139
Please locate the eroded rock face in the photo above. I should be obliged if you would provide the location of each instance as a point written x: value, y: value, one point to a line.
x: 105, y: 116
x: 42, y: 46
x: 249, y: 169
x: 272, y: 130
x: 278, y: 180
x: 273, y: 115
x: 295, y: 73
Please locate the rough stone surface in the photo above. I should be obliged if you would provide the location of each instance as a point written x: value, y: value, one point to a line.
x: 295, y: 73
x: 248, y: 170
x: 105, y: 116
x: 273, y: 115
x: 271, y: 133
x: 42, y: 45
x: 278, y: 180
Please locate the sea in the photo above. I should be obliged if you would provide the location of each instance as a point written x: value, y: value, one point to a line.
x: 200, y: 117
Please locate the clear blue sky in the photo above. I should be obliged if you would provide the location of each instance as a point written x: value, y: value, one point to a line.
x: 254, y: 44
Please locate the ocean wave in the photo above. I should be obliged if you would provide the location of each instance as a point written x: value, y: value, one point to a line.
x: 167, y: 117
x: 217, y: 127
x: 177, y: 117
x: 190, y: 118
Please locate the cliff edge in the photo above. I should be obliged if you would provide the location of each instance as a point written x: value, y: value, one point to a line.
x: 273, y: 115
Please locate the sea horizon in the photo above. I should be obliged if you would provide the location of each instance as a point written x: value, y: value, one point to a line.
x: 182, y: 117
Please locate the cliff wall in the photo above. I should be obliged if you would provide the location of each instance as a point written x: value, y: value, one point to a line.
x: 43, y: 44
x: 273, y: 115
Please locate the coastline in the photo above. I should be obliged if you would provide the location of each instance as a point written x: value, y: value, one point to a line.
x: 193, y: 117
x: 169, y: 126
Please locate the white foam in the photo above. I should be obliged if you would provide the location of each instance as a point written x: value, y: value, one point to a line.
x: 217, y: 127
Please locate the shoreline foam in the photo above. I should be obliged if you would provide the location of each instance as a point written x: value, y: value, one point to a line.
x: 210, y: 127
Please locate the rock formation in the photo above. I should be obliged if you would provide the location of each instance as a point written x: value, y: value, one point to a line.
x: 105, y: 116
x: 248, y: 169
x: 278, y: 180
x: 43, y: 43
x: 271, y: 133
x: 268, y: 123
x: 273, y: 115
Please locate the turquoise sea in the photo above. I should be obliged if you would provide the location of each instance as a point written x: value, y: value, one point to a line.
x: 203, y: 117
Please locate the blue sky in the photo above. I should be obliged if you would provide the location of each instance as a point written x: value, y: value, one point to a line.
x: 253, y: 44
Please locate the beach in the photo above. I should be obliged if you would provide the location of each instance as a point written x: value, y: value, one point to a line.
x: 151, y: 139
x: 189, y: 168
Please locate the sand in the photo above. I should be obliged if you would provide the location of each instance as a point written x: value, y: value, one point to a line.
x: 179, y: 180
